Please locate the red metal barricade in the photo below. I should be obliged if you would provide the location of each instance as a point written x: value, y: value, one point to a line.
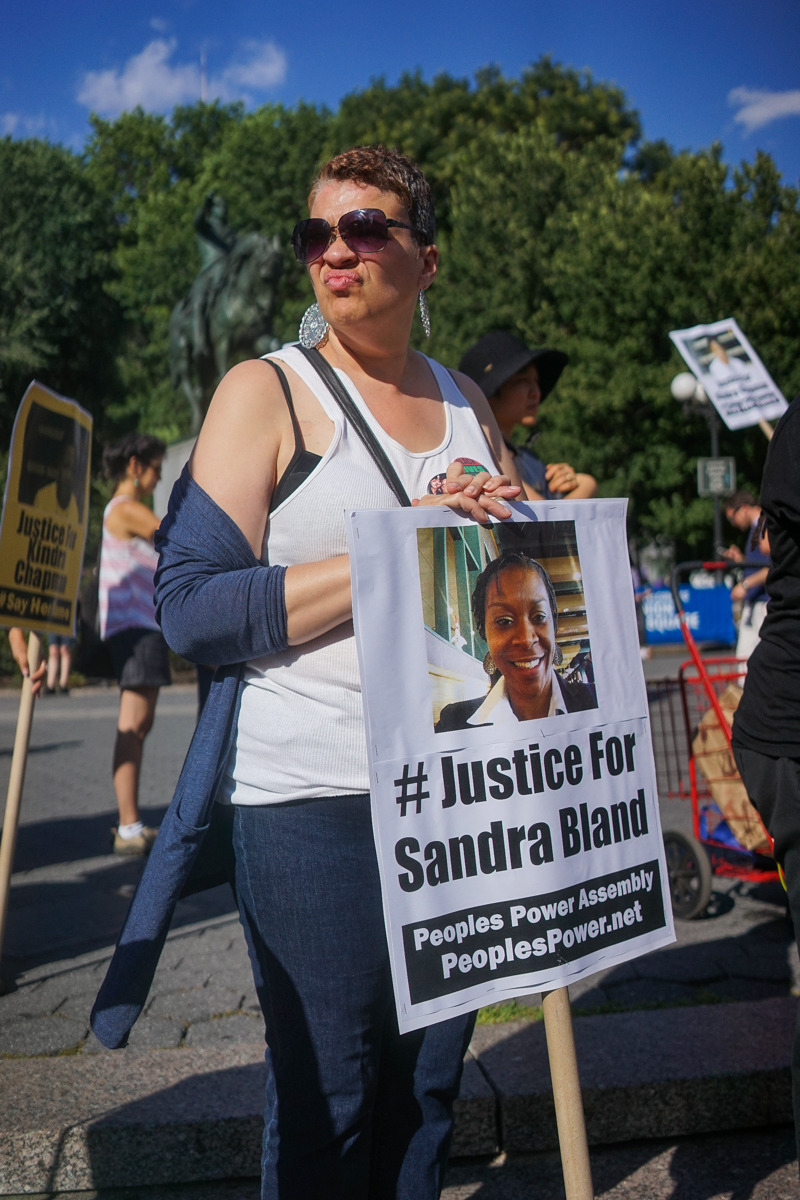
x: 690, y: 720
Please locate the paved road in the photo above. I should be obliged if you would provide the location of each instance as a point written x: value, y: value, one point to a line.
x: 69, y: 893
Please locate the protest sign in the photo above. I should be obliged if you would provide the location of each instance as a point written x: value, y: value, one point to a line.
x: 42, y: 535
x: 732, y: 375
x: 517, y: 853
x: 45, y: 513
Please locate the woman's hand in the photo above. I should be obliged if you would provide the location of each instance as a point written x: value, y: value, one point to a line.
x: 479, y: 496
x: 561, y: 477
x: 19, y: 649
x: 565, y: 480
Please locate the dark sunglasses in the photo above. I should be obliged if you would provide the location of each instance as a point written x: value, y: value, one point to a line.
x: 364, y: 230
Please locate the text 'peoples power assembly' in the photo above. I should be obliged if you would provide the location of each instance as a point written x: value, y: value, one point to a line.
x: 557, y: 926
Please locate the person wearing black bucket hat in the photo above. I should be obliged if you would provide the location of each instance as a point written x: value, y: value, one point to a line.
x: 516, y: 378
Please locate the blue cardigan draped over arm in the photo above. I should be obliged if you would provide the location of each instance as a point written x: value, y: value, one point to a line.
x: 216, y: 604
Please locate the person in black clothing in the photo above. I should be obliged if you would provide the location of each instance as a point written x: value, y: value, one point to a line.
x: 766, y: 727
x: 516, y: 378
x: 514, y: 607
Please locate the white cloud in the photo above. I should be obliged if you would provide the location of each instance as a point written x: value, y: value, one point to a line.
x: 23, y: 125
x: 147, y: 79
x: 262, y: 65
x: 151, y: 80
x: 758, y: 108
x: 159, y: 25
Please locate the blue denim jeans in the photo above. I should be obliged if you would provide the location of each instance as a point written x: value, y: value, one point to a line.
x: 354, y: 1110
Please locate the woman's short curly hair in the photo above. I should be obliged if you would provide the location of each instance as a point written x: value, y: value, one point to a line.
x: 390, y: 171
x: 510, y: 558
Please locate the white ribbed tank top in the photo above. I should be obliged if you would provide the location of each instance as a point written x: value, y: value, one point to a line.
x: 301, y: 729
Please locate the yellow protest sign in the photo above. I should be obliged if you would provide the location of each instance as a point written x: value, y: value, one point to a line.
x: 45, y: 513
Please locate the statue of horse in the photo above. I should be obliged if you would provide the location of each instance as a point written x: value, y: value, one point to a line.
x: 226, y: 316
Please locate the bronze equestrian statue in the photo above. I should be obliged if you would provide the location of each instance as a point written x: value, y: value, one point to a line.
x: 227, y: 314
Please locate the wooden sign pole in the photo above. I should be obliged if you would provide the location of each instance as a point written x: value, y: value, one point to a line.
x: 572, y: 1138
x: 15, y: 784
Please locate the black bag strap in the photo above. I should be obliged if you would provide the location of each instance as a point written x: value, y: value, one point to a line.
x: 287, y: 391
x: 351, y: 412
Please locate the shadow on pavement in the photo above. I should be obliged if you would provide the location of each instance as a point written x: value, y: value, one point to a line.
x: 757, y: 1164
x: 159, y: 1130
x: 744, y: 1165
x: 49, y: 748
x: 70, y: 894
x: 70, y: 839
x: 753, y: 965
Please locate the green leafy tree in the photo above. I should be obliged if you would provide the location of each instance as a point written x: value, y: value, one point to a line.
x: 601, y: 252
x: 264, y: 167
x: 147, y: 167
x: 58, y: 322
x: 432, y: 122
x: 555, y: 221
x: 641, y: 260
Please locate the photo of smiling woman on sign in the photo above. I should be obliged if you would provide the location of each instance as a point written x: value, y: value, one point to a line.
x: 515, y: 611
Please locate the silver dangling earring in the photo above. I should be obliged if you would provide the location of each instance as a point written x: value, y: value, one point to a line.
x: 425, y: 313
x: 558, y: 655
x: 489, y: 664
x: 313, y: 328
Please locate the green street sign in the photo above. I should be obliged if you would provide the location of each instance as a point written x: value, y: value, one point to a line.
x: 716, y: 476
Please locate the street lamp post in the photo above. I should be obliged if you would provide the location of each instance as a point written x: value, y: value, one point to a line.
x: 692, y: 396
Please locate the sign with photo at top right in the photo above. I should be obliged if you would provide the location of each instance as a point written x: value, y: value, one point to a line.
x: 730, y: 372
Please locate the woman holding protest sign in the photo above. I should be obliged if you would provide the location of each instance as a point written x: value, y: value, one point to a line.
x: 254, y: 575
x: 515, y: 611
x: 128, y: 621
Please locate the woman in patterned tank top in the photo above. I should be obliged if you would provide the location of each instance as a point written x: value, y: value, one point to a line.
x: 128, y: 621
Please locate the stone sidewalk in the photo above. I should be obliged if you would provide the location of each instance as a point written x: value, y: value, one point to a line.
x: 203, y: 993
x: 145, y: 1118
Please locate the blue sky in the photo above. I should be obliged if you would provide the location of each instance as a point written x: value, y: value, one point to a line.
x: 726, y: 70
